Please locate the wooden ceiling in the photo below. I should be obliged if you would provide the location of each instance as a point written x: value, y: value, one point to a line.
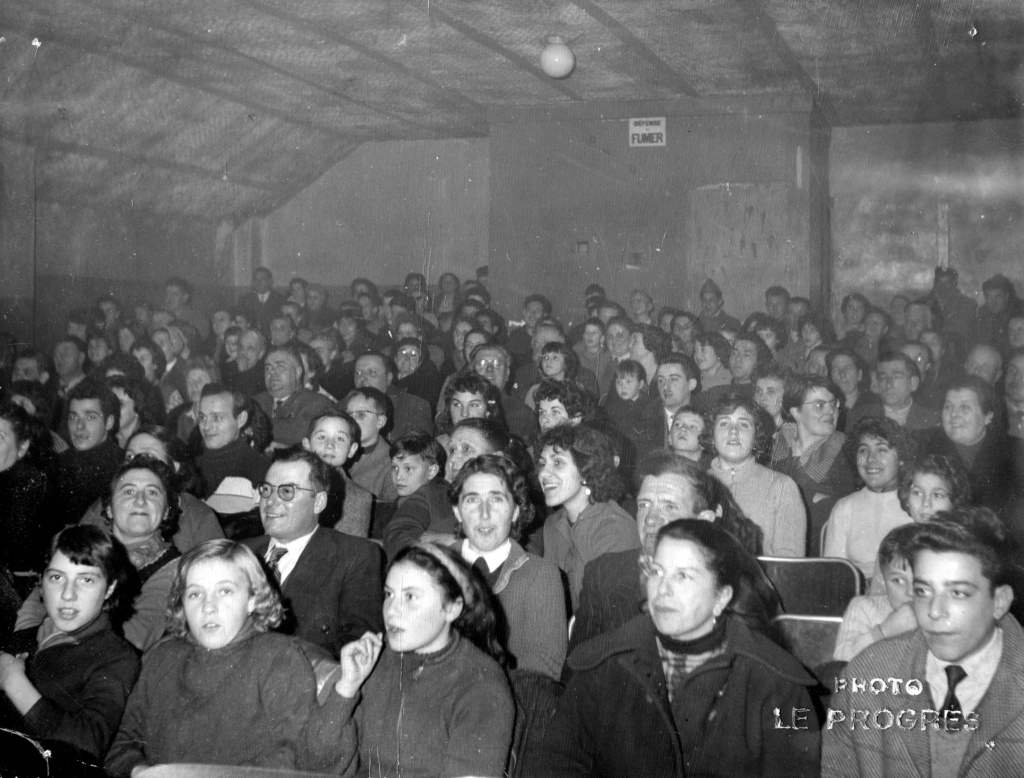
x: 222, y: 109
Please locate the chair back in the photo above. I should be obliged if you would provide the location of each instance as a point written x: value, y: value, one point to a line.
x: 812, y: 639
x: 813, y: 586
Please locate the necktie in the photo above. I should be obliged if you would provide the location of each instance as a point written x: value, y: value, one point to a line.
x: 277, y: 407
x: 954, y: 675
x: 480, y: 565
x: 273, y: 558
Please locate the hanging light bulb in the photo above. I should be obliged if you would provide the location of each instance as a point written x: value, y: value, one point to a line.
x: 557, y: 59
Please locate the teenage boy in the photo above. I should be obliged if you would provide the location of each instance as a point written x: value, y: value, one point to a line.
x: 424, y: 510
x: 953, y: 684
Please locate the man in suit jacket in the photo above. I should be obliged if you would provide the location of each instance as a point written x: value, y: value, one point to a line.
x: 957, y: 707
x: 493, y: 362
x: 288, y: 404
x: 261, y: 304
x: 898, y: 379
x: 331, y: 583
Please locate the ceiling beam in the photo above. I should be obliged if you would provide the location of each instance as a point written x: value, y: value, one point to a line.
x: 84, y: 44
x: 200, y: 43
x: 662, y: 69
x: 766, y: 25
x: 460, y: 101
x: 123, y: 162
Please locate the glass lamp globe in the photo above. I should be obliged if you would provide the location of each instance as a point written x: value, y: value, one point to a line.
x: 557, y: 59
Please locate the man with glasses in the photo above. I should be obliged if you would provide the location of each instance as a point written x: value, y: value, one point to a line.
x: 331, y: 582
x: 898, y: 379
x: 287, y: 403
x: 493, y: 362
x: 377, y: 371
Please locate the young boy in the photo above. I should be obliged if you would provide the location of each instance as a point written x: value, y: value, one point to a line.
x: 952, y: 685
x: 334, y: 438
x: 630, y: 409
x: 873, y: 617
x: 424, y: 511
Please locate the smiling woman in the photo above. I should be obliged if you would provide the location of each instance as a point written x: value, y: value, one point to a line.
x: 492, y: 503
x: 861, y: 520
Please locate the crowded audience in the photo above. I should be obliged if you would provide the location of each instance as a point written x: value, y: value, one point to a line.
x: 394, y: 533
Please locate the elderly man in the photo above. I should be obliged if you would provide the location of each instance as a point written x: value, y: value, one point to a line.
x: 493, y: 362
x: 249, y: 379
x: 985, y: 362
x: 288, y: 404
x: 331, y: 583
x: 377, y: 371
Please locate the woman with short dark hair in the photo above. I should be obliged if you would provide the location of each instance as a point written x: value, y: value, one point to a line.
x: 686, y: 688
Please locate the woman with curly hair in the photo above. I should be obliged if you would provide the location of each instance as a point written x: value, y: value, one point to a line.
x: 740, y: 431
x: 711, y: 353
x: 932, y: 484
x: 859, y: 522
x: 222, y: 688
x: 562, y: 402
x: 558, y: 362
x: 142, y: 510
x: 576, y: 470
x: 491, y: 501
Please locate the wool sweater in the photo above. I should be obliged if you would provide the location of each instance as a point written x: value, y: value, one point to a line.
x: 529, y: 589
x: 84, y: 687
x: 439, y: 715
x: 82, y: 478
x: 772, y: 501
x: 236, y: 459
x: 601, y: 528
x: 858, y: 525
x: 428, y: 509
x: 244, y: 704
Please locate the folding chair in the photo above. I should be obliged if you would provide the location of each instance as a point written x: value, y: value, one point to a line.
x: 812, y: 639
x: 813, y: 586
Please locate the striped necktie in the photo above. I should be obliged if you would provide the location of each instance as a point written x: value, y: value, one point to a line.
x: 273, y: 558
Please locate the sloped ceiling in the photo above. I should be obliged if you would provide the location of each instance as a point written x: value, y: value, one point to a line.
x: 222, y: 109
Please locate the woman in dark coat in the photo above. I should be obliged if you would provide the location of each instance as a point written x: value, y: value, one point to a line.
x: 687, y: 689
x: 969, y: 436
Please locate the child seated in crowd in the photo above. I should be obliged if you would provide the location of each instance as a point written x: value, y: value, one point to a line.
x: 73, y: 686
x: 630, y: 409
x: 424, y: 510
x: 872, y: 617
x: 334, y: 438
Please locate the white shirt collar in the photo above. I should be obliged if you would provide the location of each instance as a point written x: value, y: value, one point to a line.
x: 980, y: 667
x: 294, y: 548
x: 494, y: 559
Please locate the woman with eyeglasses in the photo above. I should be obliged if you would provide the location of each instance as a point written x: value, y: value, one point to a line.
x: 809, y: 449
x: 416, y: 373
